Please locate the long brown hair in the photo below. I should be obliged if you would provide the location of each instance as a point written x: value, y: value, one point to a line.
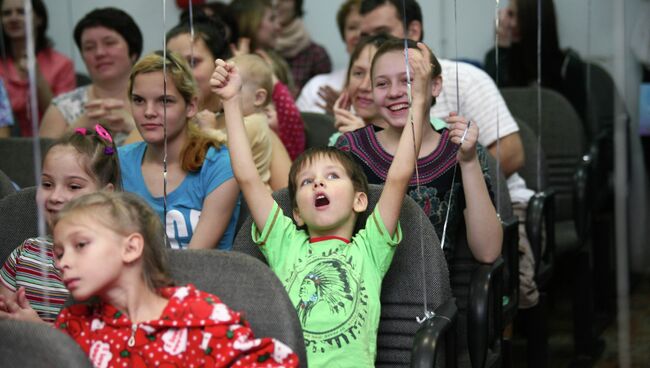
x: 178, y: 72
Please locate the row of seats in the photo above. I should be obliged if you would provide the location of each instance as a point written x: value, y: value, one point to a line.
x: 485, y: 295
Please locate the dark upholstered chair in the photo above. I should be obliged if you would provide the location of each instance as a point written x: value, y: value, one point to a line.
x: 6, y: 186
x: 244, y: 284
x: 402, y: 341
x: 318, y: 128
x: 17, y: 159
x: 18, y: 216
x: 37, y: 345
x: 571, y: 176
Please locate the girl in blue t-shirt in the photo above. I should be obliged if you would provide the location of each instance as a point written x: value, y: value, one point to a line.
x: 201, y: 204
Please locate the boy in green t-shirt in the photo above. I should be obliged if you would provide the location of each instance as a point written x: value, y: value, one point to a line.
x: 332, y: 278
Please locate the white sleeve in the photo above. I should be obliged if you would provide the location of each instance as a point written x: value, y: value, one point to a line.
x: 309, y: 99
x: 480, y: 101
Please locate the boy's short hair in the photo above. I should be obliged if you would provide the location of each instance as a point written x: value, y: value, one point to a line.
x: 254, y: 69
x: 352, y: 168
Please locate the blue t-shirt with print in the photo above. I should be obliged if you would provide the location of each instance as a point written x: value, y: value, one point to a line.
x: 184, y: 204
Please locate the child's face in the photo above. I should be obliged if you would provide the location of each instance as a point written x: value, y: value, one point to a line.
x: 203, y: 61
x: 63, y: 179
x: 148, y: 105
x: 390, y: 88
x: 250, y: 103
x: 89, y: 255
x: 359, y: 85
x: 326, y: 198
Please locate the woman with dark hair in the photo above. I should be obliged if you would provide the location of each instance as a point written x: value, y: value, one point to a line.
x: 562, y: 70
x: 110, y: 42
x: 54, y: 71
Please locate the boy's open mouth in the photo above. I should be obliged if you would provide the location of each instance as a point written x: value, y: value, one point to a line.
x: 321, y: 200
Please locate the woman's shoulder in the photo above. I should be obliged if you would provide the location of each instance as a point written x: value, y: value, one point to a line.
x: 77, y: 95
x: 53, y: 56
x: 357, y: 137
x: 130, y: 150
x: 214, y: 155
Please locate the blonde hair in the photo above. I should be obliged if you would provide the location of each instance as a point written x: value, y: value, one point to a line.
x: 125, y: 214
x: 179, y: 73
x: 256, y: 71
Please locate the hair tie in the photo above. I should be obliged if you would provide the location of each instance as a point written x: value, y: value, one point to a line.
x: 102, y: 132
x: 82, y: 131
x: 109, y: 151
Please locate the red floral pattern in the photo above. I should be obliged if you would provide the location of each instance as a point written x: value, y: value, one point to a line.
x: 195, y: 330
x: 290, y: 125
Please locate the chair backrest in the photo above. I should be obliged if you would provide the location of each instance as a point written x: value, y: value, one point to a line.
x: 6, y: 186
x: 17, y: 159
x: 37, y: 345
x: 563, y: 138
x: 499, y: 188
x: 244, y: 284
x: 532, y: 174
x: 403, y: 286
x: 18, y: 216
x: 603, y: 100
x: 318, y: 129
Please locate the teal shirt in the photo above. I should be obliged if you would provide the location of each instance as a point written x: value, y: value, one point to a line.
x: 333, y: 284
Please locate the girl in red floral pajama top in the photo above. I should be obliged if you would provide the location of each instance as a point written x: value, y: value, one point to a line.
x: 109, y: 245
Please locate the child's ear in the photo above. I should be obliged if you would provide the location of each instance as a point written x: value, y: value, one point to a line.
x: 109, y: 187
x: 260, y: 97
x: 133, y: 248
x: 436, y: 86
x: 360, y: 202
x: 192, y: 107
x: 297, y: 217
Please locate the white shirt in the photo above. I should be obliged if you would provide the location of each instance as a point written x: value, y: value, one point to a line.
x: 309, y: 99
x: 482, y: 103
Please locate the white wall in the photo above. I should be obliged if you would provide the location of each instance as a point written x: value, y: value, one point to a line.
x: 474, y: 20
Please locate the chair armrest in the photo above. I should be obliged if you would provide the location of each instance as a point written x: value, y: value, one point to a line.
x: 540, y: 218
x: 484, y: 309
x: 510, y: 254
x: 583, y: 194
x: 431, y: 333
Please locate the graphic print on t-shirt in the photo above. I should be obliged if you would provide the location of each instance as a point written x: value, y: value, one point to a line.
x: 332, y: 300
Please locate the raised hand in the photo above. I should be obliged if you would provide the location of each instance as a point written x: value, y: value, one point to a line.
x: 329, y: 96
x: 17, y: 307
x: 421, y: 70
x: 467, y: 141
x: 344, y: 119
x: 225, y: 81
x: 242, y: 47
x: 111, y: 112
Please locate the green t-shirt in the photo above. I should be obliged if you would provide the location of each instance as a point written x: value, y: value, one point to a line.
x: 334, y: 285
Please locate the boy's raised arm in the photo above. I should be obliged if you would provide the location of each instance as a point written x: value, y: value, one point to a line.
x: 226, y: 82
x: 403, y: 165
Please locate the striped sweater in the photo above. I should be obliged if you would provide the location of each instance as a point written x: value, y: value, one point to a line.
x: 435, y: 170
x: 31, y: 265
